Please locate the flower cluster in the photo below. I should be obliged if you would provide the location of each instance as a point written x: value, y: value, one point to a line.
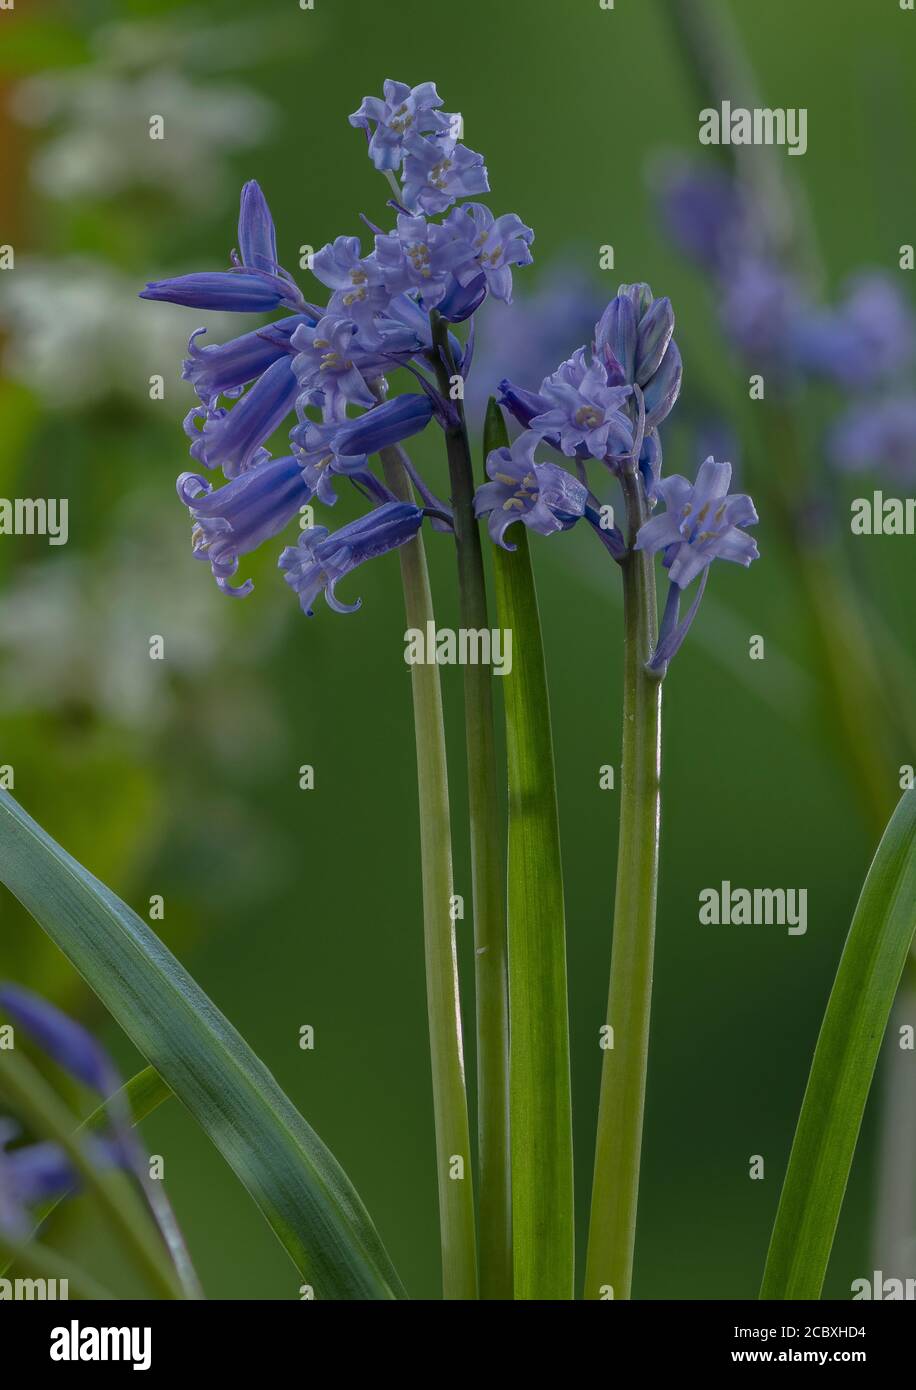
x: 329, y: 364
x: 606, y: 405
x: 863, y: 345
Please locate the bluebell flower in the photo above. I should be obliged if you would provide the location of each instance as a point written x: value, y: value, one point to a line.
x: 224, y: 369
x: 338, y: 361
x: 322, y: 558
x: 867, y: 339
x: 705, y: 212
x: 543, y: 496
x: 357, y: 280
x: 335, y: 447
x: 584, y: 414
x: 437, y: 171
x: 235, y: 519
x: 633, y: 339
x: 233, y: 440
x: 421, y: 256
x: 32, y: 1173
x: 403, y: 111
x: 255, y: 284
x: 700, y: 524
x: 492, y: 245
x: 64, y: 1040
x: 877, y: 434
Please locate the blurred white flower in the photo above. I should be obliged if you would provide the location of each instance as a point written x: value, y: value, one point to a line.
x: 78, y: 333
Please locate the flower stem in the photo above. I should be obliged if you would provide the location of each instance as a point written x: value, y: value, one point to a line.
x: 456, y: 1185
x: 490, y: 949
x: 615, y: 1188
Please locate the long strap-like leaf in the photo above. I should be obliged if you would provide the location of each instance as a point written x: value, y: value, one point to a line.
x: 299, y: 1186
x: 539, y: 1074
x: 844, y: 1062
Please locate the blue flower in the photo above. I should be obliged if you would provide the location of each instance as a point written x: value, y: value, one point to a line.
x: 32, y: 1173
x: 403, y: 111
x: 335, y: 447
x: 437, y: 171
x: 255, y: 284
x: 223, y: 369
x: 584, y: 413
x: 878, y: 434
x: 322, y: 558
x: 421, y: 256
x: 233, y: 440
x: 491, y: 245
x: 634, y: 340
x: 64, y: 1040
x: 543, y: 496
x: 357, y: 280
x: 233, y: 520
x: 869, y: 338
x: 338, y: 360
x: 700, y: 524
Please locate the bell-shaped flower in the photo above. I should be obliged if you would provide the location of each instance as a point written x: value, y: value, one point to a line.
x: 322, y: 557
x: 401, y: 112
x: 543, y: 496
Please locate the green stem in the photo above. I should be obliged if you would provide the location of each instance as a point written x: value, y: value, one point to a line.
x: 612, y: 1229
x: 490, y: 948
x: 456, y: 1188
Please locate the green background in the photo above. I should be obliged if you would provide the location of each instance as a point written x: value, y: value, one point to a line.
x: 296, y: 907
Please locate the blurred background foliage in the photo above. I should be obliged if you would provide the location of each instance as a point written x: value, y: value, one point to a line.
x: 180, y: 777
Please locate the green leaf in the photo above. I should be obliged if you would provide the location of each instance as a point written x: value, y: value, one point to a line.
x: 539, y: 1076
x: 301, y: 1189
x: 847, y: 1050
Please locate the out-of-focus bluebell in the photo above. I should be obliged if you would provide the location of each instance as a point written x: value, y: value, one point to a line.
x: 322, y: 557
x: 877, y: 434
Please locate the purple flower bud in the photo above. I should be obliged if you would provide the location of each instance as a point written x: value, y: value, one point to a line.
x: 222, y: 369
x: 257, y: 236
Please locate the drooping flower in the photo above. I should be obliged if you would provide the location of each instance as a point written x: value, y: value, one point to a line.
x: 255, y: 283
x: 344, y: 447
x: 402, y: 111
x: 701, y: 523
x: 437, y: 171
x: 543, y: 496
x: 64, y: 1040
x: 224, y: 369
x: 233, y: 440
x: 584, y: 414
x: 235, y: 519
x: 322, y: 557
x: 357, y: 280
